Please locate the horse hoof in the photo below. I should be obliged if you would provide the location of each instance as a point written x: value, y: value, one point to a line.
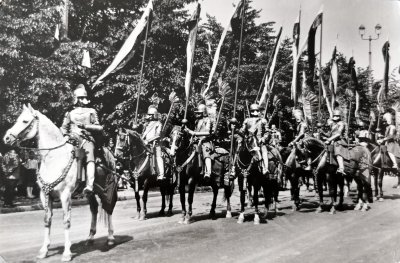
x: 240, y: 218
x: 380, y: 199
x: 182, y: 219
x: 256, y: 219
x: 169, y: 213
x: 66, y: 257
x: 187, y: 220
x: 89, y: 242
x: 142, y: 217
x: 212, y: 214
x: 111, y: 242
x: 137, y: 216
x: 228, y: 214
x: 358, y: 207
x: 161, y: 213
x: 319, y: 210
x: 365, y: 208
x: 333, y: 211
x: 42, y: 255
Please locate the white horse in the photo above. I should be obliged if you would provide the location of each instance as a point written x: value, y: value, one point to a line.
x: 57, y: 175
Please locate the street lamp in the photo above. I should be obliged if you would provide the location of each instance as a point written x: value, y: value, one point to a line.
x: 361, y: 30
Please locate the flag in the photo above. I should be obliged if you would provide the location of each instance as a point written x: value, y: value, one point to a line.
x: 128, y: 49
x: 193, y: 26
x: 385, y: 52
x: 269, y: 79
x: 86, y: 59
x: 234, y: 22
x: 311, y: 46
x: 295, y: 52
x: 57, y: 32
x: 334, y: 72
x: 354, y: 83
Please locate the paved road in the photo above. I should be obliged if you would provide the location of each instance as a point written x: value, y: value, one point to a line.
x: 303, y: 236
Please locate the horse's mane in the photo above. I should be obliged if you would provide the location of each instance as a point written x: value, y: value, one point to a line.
x: 46, y: 123
x: 136, y: 138
x: 315, y: 146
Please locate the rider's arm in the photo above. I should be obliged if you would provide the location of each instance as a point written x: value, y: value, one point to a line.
x: 94, y: 123
x: 66, y: 125
x: 301, y: 134
x: 207, y: 131
x: 338, y: 133
x: 391, y: 134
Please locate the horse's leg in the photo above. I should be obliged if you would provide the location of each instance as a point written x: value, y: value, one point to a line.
x: 331, y: 178
x: 138, y: 206
x: 143, y: 201
x: 340, y: 182
x: 94, y: 209
x: 320, y: 179
x: 65, y: 199
x: 47, y: 225
x: 183, y: 202
x: 192, y: 186
x: 110, y: 237
x: 296, y: 190
x: 163, y: 194
x: 250, y: 199
x: 214, y: 201
x: 380, y: 184
x: 242, y: 189
x: 256, y: 216
x: 228, y: 194
x: 359, y: 205
x: 170, y: 195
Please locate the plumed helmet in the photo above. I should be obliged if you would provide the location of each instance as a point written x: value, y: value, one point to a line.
x: 152, y: 110
x: 388, y: 117
x: 80, y: 92
x: 337, y: 114
x: 201, y: 108
x: 298, y: 114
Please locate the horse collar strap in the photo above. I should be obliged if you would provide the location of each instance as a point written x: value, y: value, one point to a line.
x: 138, y: 172
x: 48, y: 187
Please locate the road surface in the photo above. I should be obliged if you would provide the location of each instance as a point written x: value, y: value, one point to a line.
x: 301, y: 236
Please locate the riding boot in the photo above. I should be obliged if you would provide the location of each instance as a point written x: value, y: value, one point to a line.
x: 90, y: 170
x: 160, y: 166
x: 207, y: 173
x: 341, y: 165
x: 265, y: 160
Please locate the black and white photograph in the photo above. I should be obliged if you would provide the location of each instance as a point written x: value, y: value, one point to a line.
x: 200, y: 131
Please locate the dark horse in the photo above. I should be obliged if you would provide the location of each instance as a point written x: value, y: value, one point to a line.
x: 250, y: 177
x: 294, y: 170
x: 188, y: 164
x: 135, y: 158
x: 356, y: 163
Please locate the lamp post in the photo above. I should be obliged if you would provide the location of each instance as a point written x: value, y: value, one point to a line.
x: 361, y: 30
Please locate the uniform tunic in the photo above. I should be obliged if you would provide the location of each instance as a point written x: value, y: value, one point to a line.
x: 205, y: 125
x: 392, y: 144
x: 257, y: 127
x: 340, y: 143
x: 152, y: 130
x: 86, y: 116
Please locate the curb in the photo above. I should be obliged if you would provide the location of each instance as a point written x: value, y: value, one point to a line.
x: 57, y: 205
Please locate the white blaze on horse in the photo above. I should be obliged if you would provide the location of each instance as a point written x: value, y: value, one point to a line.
x: 57, y: 175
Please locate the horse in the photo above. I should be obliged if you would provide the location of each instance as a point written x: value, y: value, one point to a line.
x: 294, y: 171
x: 188, y: 165
x: 249, y: 171
x: 134, y: 156
x: 357, y: 165
x: 57, y: 175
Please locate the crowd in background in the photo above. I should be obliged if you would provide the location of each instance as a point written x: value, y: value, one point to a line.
x: 18, y: 176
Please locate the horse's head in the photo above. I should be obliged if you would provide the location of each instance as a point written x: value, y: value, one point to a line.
x: 122, y: 143
x: 129, y: 141
x: 175, y: 139
x: 25, y: 128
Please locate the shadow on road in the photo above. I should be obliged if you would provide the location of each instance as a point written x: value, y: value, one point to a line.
x: 81, y: 248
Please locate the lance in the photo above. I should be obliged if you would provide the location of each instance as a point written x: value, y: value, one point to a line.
x: 172, y: 99
x: 320, y: 75
x: 233, y: 120
x: 141, y: 70
x: 348, y: 123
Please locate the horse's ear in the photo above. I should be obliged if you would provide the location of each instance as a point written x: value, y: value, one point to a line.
x: 30, y: 107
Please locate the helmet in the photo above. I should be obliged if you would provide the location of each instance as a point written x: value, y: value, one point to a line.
x: 388, y: 117
x: 152, y: 113
x: 298, y: 114
x: 361, y: 124
x: 80, y: 92
x: 201, y: 108
x: 319, y: 125
x: 363, y: 136
x: 337, y: 114
x: 253, y: 108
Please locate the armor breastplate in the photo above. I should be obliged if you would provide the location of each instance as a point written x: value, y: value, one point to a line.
x: 150, y: 131
x: 203, y: 125
x: 254, y: 125
x: 389, y: 134
x: 301, y: 124
x: 336, y: 129
x: 80, y: 116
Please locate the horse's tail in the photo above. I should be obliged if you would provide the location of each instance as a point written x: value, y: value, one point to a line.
x: 103, y: 217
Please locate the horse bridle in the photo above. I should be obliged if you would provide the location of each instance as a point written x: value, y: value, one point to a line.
x: 27, y: 130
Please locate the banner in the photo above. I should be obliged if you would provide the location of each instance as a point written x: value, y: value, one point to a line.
x: 128, y: 49
x: 311, y: 47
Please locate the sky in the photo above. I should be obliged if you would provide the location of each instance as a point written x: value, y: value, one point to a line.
x: 342, y: 19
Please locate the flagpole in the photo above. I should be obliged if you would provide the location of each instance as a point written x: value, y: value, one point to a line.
x: 184, y: 121
x: 141, y: 70
x: 320, y: 72
x: 296, y: 60
x: 233, y: 121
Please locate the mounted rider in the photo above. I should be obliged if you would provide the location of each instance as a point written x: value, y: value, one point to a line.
x: 302, y: 132
x: 276, y: 137
x: 80, y: 124
x: 151, y: 136
x: 256, y: 127
x: 337, y: 136
x: 390, y: 140
x: 202, y: 133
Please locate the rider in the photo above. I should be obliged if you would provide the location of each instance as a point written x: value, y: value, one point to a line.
x: 203, y: 131
x: 390, y: 140
x: 337, y: 136
x: 151, y: 136
x: 257, y: 126
x: 302, y: 132
x: 276, y: 136
x: 81, y: 123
